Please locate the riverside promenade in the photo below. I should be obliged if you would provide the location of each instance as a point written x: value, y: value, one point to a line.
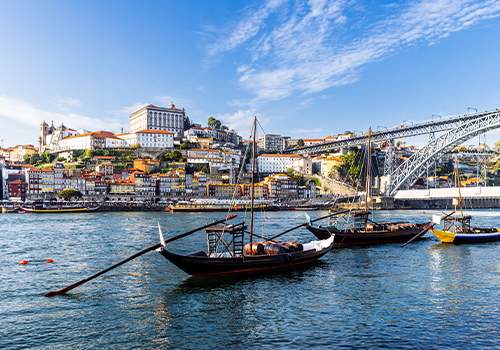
x: 442, y: 198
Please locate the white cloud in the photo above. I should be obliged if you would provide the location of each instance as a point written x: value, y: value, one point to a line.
x: 65, y: 103
x: 24, y: 113
x: 316, y: 131
x: 317, y: 44
x: 245, y: 29
x: 128, y: 110
x: 241, y: 120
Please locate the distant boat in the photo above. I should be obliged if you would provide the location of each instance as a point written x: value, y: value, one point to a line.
x: 217, y: 206
x: 43, y: 209
x: 305, y: 208
x: 356, y: 228
x: 457, y: 229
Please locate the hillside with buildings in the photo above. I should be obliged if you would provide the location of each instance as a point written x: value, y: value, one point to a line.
x: 165, y: 156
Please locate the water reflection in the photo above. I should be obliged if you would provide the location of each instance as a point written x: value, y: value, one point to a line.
x: 427, y: 295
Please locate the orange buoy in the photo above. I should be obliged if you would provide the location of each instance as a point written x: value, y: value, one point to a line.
x: 24, y: 262
x: 48, y: 260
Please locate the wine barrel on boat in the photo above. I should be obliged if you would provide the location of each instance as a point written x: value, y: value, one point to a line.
x: 257, y: 248
x: 298, y: 247
x: 274, y: 249
x: 288, y: 247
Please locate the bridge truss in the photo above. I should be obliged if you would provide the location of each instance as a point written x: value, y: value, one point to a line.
x: 414, y: 130
x: 420, y: 162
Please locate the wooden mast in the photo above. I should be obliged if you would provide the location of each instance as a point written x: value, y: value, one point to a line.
x: 367, y: 189
x: 253, y: 183
x: 458, y: 184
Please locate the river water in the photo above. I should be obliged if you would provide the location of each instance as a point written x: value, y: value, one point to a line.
x: 424, y: 296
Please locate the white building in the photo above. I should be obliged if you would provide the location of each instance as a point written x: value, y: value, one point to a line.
x: 92, y: 140
x: 276, y: 163
x: 149, y: 139
x: 303, y: 166
x: 158, y: 118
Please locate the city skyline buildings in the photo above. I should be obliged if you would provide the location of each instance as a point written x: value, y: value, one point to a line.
x: 307, y: 69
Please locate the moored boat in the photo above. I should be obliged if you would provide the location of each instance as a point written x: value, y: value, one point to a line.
x: 230, y: 262
x: 228, y: 254
x: 219, y: 207
x: 457, y: 229
x: 357, y: 230
x: 355, y: 227
x: 58, y: 209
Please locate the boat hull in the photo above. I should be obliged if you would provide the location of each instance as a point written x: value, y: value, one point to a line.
x: 197, y: 265
x: 344, y: 238
x: 201, y: 208
x: 58, y: 210
x: 464, y: 238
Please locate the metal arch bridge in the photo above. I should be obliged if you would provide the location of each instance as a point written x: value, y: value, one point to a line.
x: 414, y: 130
x: 415, y: 166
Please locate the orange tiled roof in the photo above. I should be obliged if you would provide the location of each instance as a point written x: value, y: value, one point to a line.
x: 280, y: 155
x: 155, y: 132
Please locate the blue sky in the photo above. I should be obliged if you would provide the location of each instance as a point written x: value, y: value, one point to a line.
x: 306, y: 68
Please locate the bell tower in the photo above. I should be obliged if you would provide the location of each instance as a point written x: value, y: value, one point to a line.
x: 43, y: 132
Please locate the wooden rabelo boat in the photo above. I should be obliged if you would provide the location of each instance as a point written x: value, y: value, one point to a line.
x: 218, y: 207
x: 227, y: 253
x: 59, y: 209
x: 355, y: 228
x: 457, y: 229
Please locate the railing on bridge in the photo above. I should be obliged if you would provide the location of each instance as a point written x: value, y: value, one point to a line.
x: 408, y: 131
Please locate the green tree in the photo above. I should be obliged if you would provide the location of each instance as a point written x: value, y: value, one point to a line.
x: 353, y: 161
x: 27, y: 159
x: 183, y: 145
x: 316, y: 181
x: 497, y: 145
x: 176, y: 156
x: 294, y: 175
x: 214, y: 123
x: 35, y: 158
x: 300, y: 143
x: 67, y: 194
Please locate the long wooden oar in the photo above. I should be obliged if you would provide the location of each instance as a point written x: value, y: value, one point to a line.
x: 153, y: 247
x: 426, y: 227
x: 424, y: 230
x: 304, y: 224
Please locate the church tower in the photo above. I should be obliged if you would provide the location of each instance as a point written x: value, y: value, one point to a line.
x: 43, y: 132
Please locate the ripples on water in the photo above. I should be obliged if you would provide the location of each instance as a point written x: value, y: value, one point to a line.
x: 427, y: 295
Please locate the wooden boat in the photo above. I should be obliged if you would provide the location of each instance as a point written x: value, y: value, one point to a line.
x: 6, y: 210
x: 231, y: 262
x: 227, y: 253
x: 359, y: 230
x: 355, y: 227
x: 305, y: 208
x: 218, y: 207
x: 457, y: 229
x: 59, y: 209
